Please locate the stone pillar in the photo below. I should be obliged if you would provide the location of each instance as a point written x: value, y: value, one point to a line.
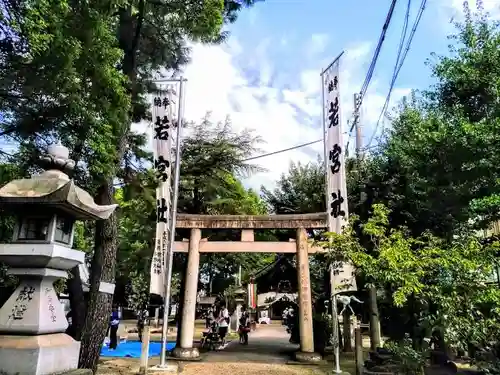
x: 305, y: 305
x: 347, y: 333
x: 186, y: 349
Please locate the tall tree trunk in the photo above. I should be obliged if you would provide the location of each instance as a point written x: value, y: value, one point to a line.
x: 106, y: 232
x: 103, y: 270
x: 374, y: 319
x: 77, y: 304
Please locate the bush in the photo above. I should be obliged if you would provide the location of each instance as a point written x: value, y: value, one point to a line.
x: 408, y: 360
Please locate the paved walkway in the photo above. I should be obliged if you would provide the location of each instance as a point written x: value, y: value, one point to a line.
x: 267, y: 344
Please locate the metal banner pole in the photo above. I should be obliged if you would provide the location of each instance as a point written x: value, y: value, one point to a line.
x: 335, y: 322
x: 171, y: 242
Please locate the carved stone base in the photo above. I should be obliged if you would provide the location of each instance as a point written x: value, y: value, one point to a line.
x: 38, y: 355
x: 186, y: 353
x: 34, y: 309
x: 308, y: 357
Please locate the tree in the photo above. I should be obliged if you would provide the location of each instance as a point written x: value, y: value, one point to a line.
x: 299, y: 191
x: 211, y: 156
x: 220, y: 195
x: 446, y: 283
x: 84, y: 55
x: 437, y: 167
x: 143, y: 32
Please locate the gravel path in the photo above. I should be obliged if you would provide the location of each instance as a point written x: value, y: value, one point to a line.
x: 267, y: 353
x: 268, y: 344
x: 247, y: 369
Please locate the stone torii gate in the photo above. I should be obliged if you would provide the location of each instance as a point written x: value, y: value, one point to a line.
x: 247, y: 224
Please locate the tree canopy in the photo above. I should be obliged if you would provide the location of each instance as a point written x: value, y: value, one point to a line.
x: 80, y: 72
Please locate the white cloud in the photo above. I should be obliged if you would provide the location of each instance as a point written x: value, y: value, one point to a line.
x: 282, y: 117
x: 317, y: 44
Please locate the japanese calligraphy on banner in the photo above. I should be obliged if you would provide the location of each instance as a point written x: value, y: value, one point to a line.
x: 335, y: 168
x: 162, y: 110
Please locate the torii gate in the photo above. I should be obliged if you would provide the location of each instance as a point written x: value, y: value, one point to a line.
x: 196, y: 245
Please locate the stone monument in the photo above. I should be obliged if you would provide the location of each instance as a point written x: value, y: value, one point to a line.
x: 239, y: 299
x: 32, y: 321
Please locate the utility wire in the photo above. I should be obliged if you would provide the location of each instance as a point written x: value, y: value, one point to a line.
x: 284, y: 150
x: 373, y: 63
x: 400, y: 60
x: 366, y: 83
x: 376, y: 54
x: 363, y: 89
x: 396, y: 65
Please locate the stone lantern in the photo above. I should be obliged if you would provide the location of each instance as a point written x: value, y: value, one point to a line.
x: 32, y: 321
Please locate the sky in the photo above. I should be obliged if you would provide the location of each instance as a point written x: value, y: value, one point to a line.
x: 266, y: 76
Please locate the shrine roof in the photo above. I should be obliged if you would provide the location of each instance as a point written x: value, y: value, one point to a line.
x: 282, y: 264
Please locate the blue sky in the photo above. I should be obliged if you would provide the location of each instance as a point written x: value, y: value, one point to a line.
x: 266, y: 76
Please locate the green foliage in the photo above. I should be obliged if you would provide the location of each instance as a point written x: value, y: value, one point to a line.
x: 83, y: 237
x: 59, y: 78
x: 491, y: 368
x: 447, y: 279
x: 212, y: 157
x: 468, y: 79
x: 299, y: 191
x: 138, y: 291
x: 406, y: 359
x: 437, y: 167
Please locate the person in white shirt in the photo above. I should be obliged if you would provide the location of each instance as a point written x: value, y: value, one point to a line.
x: 223, y: 321
x: 284, y: 316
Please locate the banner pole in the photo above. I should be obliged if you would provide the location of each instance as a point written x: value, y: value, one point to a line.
x: 173, y: 217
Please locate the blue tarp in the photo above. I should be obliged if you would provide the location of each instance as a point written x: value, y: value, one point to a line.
x: 132, y: 349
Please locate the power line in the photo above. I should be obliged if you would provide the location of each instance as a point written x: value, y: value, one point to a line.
x: 396, y: 65
x: 371, y: 68
x: 400, y: 60
x: 376, y: 54
x: 284, y: 150
x: 363, y: 89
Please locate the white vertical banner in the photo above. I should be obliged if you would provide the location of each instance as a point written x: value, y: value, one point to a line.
x: 336, y: 189
x: 163, y: 108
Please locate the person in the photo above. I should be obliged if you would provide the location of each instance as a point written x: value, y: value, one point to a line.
x: 114, y: 322
x: 288, y: 316
x: 284, y: 316
x: 209, y: 318
x: 142, y: 315
x: 244, y: 327
x: 223, y: 321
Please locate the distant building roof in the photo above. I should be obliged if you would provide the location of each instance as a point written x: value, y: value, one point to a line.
x: 207, y: 300
x: 267, y: 299
x: 279, y: 276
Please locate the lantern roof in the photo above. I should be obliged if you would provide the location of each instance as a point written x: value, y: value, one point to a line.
x: 53, y: 190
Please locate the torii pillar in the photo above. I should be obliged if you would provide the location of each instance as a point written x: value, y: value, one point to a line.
x: 306, y: 353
